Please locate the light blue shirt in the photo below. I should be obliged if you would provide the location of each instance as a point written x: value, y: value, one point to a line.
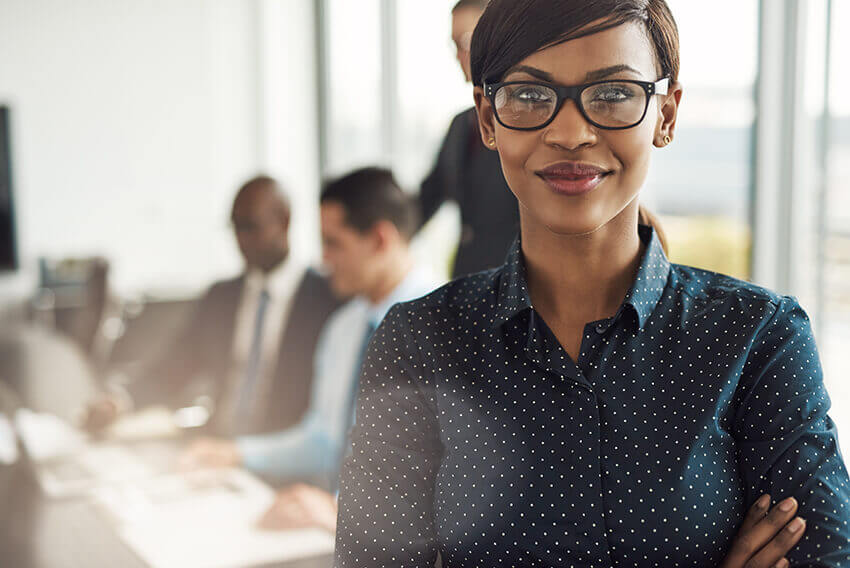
x: 312, y: 448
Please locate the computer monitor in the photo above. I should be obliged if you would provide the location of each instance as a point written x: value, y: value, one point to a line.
x: 8, y: 241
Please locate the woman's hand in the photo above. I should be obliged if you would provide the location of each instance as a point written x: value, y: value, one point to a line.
x: 766, y: 537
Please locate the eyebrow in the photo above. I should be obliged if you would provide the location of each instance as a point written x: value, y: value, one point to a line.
x: 591, y: 75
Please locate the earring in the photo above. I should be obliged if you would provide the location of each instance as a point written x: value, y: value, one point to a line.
x: 491, y: 142
x: 667, y: 140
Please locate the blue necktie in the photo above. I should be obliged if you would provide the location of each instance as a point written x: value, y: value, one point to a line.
x: 253, y: 366
x: 371, y: 326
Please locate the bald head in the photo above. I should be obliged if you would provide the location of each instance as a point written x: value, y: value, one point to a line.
x: 260, y: 217
x: 264, y: 191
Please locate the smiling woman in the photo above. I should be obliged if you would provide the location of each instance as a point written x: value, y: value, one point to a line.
x: 590, y: 403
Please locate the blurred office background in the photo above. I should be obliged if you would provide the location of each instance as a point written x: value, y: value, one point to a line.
x: 132, y: 124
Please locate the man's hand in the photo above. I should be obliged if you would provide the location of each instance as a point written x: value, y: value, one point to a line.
x: 299, y: 507
x: 101, y: 412
x: 766, y: 537
x: 210, y: 452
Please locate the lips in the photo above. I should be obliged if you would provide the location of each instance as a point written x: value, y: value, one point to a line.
x: 572, y: 178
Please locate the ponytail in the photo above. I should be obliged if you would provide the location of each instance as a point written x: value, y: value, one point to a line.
x: 646, y: 217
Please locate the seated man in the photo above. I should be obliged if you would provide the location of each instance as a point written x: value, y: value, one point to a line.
x: 253, y: 336
x: 366, y: 222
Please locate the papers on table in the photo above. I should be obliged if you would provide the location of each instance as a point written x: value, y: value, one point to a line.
x: 91, y: 467
x: 204, y: 519
x: 46, y: 436
x: 146, y: 424
x: 67, y: 464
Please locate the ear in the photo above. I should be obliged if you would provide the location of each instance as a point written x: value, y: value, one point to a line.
x: 486, y: 118
x: 384, y: 233
x: 285, y: 216
x: 668, y: 112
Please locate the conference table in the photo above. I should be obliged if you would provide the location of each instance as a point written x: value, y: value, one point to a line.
x: 37, y: 531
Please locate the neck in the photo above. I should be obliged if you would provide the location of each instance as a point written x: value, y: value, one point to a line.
x: 395, y: 269
x: 575, y: 279
x: 271, y: 267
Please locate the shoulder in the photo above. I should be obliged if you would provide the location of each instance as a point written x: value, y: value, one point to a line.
x: 462, y: 120
x: 221, y: 289
x: 476, y: 292
x: 347, y: 316
x: 467, y: 115
x: 726, y: 293
x: 313, y: 286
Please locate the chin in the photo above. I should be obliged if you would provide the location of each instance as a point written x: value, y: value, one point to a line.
x: 338, y: 288
x: 576, y: 216
x: 572, y: 221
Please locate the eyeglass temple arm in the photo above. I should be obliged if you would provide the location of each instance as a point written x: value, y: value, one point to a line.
x: 661, y: 86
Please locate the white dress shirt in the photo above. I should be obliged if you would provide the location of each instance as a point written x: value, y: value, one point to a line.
x: 281, y: 285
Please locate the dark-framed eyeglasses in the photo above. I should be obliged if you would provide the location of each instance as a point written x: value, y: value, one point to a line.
x: 610, y: 105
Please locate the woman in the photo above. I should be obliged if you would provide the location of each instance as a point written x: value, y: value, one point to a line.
x: 496, y: 426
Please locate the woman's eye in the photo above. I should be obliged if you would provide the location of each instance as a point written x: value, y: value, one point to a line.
x: 612, y: 95
x: 531, y: 96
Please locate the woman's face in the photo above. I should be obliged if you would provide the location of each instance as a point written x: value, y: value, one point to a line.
x: 570, y: 176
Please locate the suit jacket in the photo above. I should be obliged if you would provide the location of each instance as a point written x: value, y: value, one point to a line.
x: 471, y: 175
x: 205, y: 346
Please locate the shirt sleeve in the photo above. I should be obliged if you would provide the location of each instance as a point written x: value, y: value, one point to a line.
x: 301, y: 452
x: 387, y: 482
x: 788, y: 445
x: 437, y: 187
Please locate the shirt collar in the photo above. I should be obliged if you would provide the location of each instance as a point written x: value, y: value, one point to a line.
x: 416, y: 283
x: 280, y: 280
x: 513, y: 298
x: 651, y: 277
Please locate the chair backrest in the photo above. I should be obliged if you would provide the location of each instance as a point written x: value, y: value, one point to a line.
x: 47, y: 371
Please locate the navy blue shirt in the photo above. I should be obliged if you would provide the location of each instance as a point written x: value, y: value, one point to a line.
x: 479, y: 438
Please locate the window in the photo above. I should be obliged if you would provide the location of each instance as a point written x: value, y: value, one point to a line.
x: 354, y: 104
x: 833, y: 314
x: 377, y: 53
x: 701, y: 184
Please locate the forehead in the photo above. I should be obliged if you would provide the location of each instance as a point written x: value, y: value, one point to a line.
x: 333, y: 217
x: 255, y: 204
x: 464, y: 20
x: 570, y: 61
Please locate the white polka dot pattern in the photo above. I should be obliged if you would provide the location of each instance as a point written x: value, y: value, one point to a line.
x: 478, y: 437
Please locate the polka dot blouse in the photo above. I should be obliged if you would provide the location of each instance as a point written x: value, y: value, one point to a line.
x: 478, y: 438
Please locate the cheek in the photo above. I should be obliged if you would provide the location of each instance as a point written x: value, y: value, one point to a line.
x: 515, y: 149
x: 274, y: 235
x: 632, y: 149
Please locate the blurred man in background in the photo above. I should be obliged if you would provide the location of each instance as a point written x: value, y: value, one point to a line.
x: 469, y: 173
x: 367, y: 222
x: 252, y: 337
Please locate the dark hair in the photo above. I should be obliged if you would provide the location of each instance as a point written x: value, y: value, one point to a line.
x: 478, y: 4
x: 369, y: 195
x: 511, y: 30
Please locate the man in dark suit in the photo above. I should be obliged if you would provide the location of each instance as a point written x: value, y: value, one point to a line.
x: 470, y: 174
x: 251, y: 338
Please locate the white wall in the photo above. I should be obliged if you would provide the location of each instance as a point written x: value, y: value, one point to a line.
x: 135, y: 121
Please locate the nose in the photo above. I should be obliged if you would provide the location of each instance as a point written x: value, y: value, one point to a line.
x: 569, y: 129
